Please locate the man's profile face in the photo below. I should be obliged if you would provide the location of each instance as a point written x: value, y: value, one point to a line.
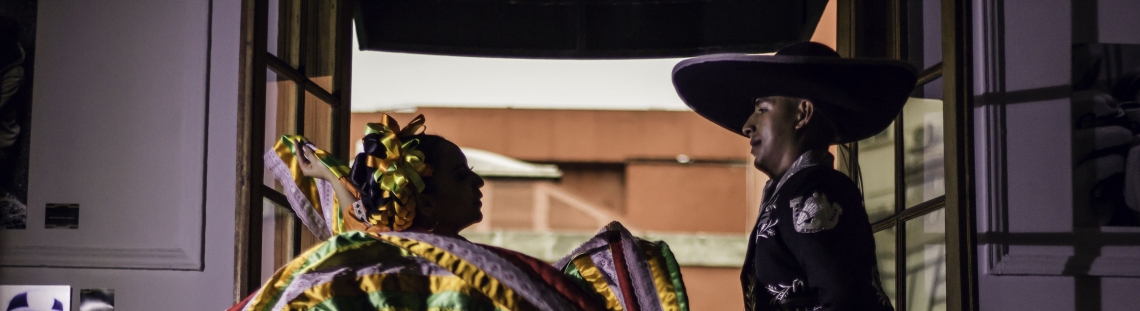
x: 771, y: 131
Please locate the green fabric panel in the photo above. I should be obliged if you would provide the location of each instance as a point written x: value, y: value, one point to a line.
x: 335, y: 245
x: 400, y: 301
x: 571, y: 271
x: 675, y: 275
x: 335, y: 250
x: 338, y: 168
x: 367, y: 254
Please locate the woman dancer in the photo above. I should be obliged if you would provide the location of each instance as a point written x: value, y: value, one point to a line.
x: 398, y: 247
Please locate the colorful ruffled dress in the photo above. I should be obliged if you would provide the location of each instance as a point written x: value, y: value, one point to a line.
x: 362, y: 265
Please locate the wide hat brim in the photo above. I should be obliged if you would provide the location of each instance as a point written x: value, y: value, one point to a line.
x: 860, y: 96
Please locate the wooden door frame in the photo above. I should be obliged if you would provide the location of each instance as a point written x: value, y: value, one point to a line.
x: 251, y: 129
x: 874, y: 29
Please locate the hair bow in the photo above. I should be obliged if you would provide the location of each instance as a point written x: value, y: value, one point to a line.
x: 389, y: 172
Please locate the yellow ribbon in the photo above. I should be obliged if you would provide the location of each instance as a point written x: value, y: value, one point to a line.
x: 400, y: 171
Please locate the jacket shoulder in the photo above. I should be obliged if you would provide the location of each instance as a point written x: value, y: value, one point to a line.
x: 825, y: 180
x: 822, y: 199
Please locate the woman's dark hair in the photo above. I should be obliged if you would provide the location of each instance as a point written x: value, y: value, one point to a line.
x: 432, y: 147
x: 371, y: 195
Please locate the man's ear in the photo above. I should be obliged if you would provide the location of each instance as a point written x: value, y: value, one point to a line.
x: 804, y: 112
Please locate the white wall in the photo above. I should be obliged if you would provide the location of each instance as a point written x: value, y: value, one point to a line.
x: 134, y: 118
x: 1022, y: 50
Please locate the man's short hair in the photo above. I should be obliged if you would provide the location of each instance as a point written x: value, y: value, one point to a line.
x: 820, y: 131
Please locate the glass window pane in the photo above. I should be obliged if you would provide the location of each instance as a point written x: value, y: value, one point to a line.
x: 923, y: 147
x: 280, y: 115
x: 885, y: 251
x: 276, y: 238
x: 877, y: 167
x: 926, y: 262
x: 924, y: 32
x: 308, y: 240
x: 319, y: 122
x: 320, y: 63
x: 284, y: 30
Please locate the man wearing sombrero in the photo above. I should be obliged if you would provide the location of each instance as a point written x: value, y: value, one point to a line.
x: 811, y: 248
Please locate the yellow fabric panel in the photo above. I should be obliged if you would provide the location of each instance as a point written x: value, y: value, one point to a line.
x: 591, y: 274
x: 306, y: 184
x: 418, y: 284
x: 280, y: 280
x: 502, y: 296
x: 661, y: 281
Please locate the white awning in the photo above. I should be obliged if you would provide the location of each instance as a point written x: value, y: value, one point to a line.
x: 490, y: 164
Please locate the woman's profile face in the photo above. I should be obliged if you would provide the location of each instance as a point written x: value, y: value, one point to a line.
x: 455, y: 203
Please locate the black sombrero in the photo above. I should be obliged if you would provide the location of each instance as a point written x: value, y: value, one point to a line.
x: 860, y: 96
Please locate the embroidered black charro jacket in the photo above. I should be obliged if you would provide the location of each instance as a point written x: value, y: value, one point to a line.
x: 812, y: 247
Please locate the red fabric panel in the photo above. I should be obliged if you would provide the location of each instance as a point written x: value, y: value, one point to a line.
x: 241, y: 304
x: 622, y: 268
x: 540, y: 270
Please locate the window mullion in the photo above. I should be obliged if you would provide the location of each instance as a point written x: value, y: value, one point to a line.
x: 883, y: 224
x: 922, y: 209
x: 908, y: 214
x: 275, y: 196
x: 320, y: 93
x: 281, y: 67
x: 930, y: 74
x: 299, y: 122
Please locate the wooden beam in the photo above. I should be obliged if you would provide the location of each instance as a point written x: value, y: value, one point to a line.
x: 342, y: 112
x: 961, y: 222
x: 251, y: 128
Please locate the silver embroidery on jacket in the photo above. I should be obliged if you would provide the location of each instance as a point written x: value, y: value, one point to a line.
x: 767, y: 229
x: 750, y: 294
x: 766, y: 223
x: 780, y: 291
x: 815, y: 213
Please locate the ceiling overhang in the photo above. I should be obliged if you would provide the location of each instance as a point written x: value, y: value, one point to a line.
x: 584, y: 29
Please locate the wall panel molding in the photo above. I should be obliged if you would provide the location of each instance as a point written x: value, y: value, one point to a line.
x: 1035, y: 245
x: 123, y: 130
x: 113, y: 258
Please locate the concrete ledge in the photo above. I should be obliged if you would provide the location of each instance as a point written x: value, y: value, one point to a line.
x: 691, y: 249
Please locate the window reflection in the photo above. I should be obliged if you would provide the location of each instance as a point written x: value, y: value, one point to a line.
x: 923, y: 150
x: 926, y: 262
x: 877, y: 169
x: 280, y: 115
x: 276, y: 238
x: 283, y: 39
x: 322, y: 43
